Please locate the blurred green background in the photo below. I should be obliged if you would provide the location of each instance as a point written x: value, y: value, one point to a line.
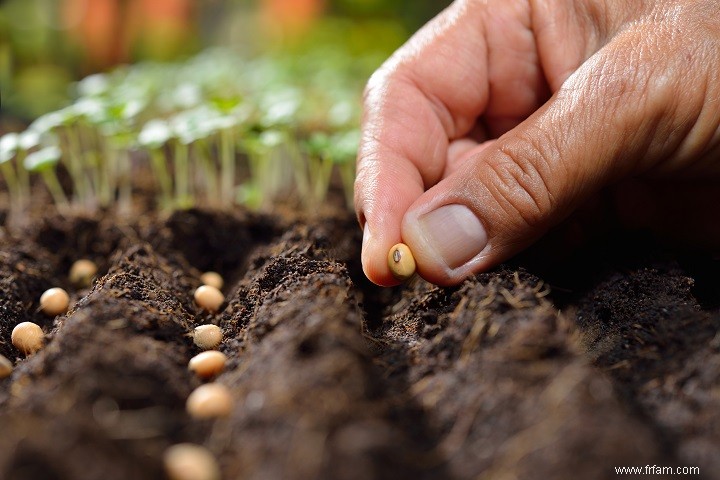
x: 45, y: 45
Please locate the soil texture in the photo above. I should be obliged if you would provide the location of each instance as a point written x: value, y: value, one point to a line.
x: 610, y: 358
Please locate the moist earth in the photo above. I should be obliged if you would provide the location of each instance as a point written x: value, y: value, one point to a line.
x: 610, y: 357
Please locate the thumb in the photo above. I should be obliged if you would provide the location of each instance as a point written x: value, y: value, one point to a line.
x: 617, y: 115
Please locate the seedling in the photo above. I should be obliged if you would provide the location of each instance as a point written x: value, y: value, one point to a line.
x: 82, y: 273
x: 212, y: 279
x: 207, y: 337
x: 54, y: 301
x: 28, y: 337
x: 211, y: 400
x: 401, y: 262
x: 6, y: 367
x: 209, y: 298
x: 186, y: 461
x: 208, y: 364
x: 44, y: 162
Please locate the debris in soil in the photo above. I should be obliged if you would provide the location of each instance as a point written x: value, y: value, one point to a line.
x: 329, y: 377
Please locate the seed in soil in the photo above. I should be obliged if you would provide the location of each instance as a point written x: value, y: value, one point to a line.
x: 212, y: 279
x: 209, y: 401
x: 82, y: 273
x: 6, y: 367
x: 208, y: 364
x: 28, y: 337
x: 186, y: 461
x: 208, y: 336
x: 209, y: 298
x: 54, y: 301
x: 401, y: 262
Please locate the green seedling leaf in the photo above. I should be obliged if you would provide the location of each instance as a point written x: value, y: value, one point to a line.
x: 344, y: 146
x: 93, y: 85
x: 43, y: 159
x: 280, y: 107
x: 187, y: 95
x: 271, y: 138
x: 94, y: 110
x: 30, y: 139
x: 51, y: 121
x: 318, y: 144
x: 9, y: 144
x: 155, y: 134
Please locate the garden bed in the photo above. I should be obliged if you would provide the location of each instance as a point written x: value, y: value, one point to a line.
x: 603, y: 360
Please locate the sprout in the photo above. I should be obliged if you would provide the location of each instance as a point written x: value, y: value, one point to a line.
x: 155, y: 134
x: 30, y: 138
x: 93, y: 85
x: 187, y: 95
x: 9, y: 144
x: 44, y: 162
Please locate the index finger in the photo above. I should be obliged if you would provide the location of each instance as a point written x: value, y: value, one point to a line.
x: 431, y: 91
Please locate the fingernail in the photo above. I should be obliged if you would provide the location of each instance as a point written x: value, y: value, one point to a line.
x: 455, y: 233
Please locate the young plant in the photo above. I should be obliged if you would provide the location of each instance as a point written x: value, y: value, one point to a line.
x: 8, y: 150
x: 153, y: 137
x: 44, y: 162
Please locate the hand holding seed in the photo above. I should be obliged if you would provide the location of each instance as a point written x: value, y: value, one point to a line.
x: 540, y: 112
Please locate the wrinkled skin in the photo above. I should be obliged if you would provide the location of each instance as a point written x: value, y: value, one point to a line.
x: 524, y: 111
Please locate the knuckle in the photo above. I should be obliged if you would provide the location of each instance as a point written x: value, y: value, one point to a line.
x: 519, y: 183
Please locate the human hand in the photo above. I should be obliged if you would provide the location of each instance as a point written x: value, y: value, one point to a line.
x: 500, y: 118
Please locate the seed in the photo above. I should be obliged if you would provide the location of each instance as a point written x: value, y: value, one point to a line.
x: 209, y: 401
x: 54, y: 301
x: 6, y: 367
x: 208, y: 364
x: 207, y: 337
x: 82, y: 273
x: 186, y: 461
x: 401, y: 262
x: 209, y: 298
x: 28, y: 337
x: 213, y: 279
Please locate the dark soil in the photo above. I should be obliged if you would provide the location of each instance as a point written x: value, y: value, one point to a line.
x: 609, y: 358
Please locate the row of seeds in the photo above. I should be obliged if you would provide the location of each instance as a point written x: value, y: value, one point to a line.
x: 183, y: 461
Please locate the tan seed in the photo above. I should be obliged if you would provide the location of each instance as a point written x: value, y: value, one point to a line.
x: 186, y: 461
x: 208, y: 364
x: 82, y: 273
x: 213, y: 279
x: 209, y: 298
x: 207, y: 337
x: 54, y: 301
x: 6, y: 367
x: 401, y: 262
x: 28, y: 337
x: 209, y: 401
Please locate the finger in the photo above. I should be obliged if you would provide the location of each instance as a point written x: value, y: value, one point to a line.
x: 410, y: 114
x: 623, y: 112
